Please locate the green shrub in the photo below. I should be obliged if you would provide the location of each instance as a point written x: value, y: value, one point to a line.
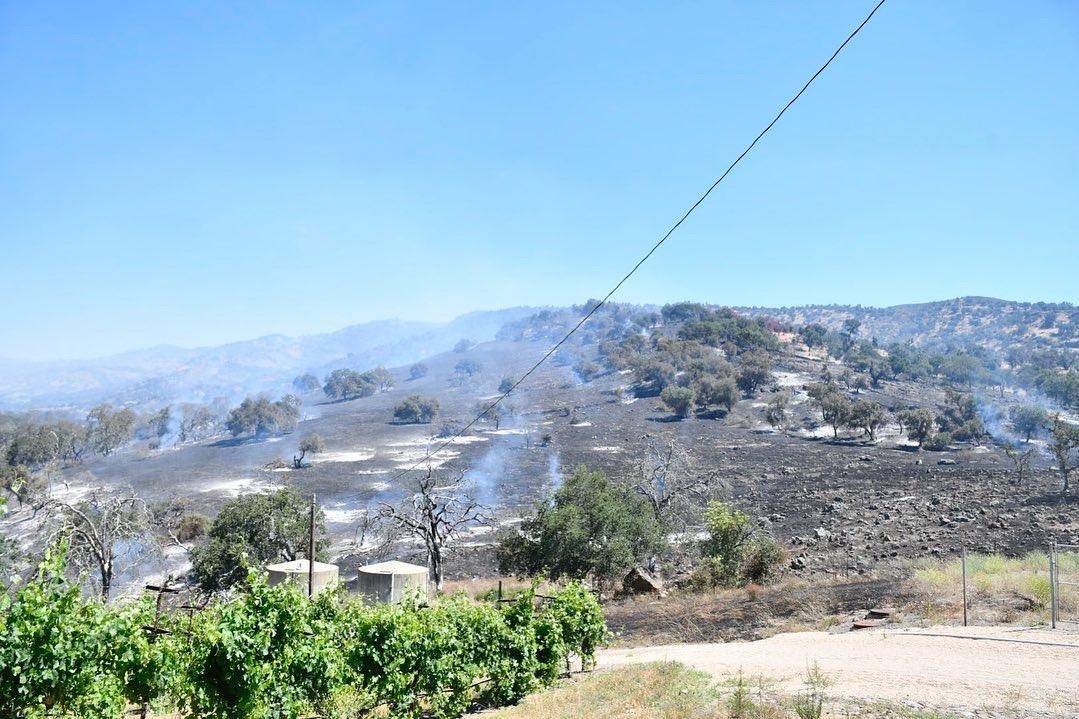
x: 731, y: 554
x: 728, y: 532
x: 763, y: 560
x: 938, y: 442
x: 709, y: 574
x: 810, y: 703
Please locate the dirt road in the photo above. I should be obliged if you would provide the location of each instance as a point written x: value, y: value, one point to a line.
x: 1023, y: 675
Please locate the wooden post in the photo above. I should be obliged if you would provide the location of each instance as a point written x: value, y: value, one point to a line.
x: 500, y: 590
x: 963, y: 559
x: 160, y: 589
x: 311, y: 553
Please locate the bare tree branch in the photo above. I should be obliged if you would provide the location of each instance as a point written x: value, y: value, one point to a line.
x: 436, y: 516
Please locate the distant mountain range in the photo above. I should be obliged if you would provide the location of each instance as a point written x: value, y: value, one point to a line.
x: 166, y: 373
x: 158, y: 375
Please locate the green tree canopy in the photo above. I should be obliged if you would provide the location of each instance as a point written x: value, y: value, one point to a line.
x: 259, y: 416
x: 305, y: 383
x: 345, y: 384
x: 589, y: 527
x: 264, y: 528
x: 754, y: 371
x: 867, y: 416
x: 1029, y: 421
x: 918, y: 423
x: 678, y: 399
x: 416, y: 410
x: 109, y: 428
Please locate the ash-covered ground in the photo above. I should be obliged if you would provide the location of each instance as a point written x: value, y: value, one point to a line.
x: 846, y: 505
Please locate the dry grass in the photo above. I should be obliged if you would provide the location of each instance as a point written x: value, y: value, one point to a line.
x: 754, y: 612
x: 664, y: 690
x: 669, y: 690
x: 486, y: 588
x: 1000, y: 589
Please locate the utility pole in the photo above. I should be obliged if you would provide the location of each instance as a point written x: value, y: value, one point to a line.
x: 311, y: 553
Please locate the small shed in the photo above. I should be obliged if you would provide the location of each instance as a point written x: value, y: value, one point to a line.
x: 391, y: 581
x: 296, y: 571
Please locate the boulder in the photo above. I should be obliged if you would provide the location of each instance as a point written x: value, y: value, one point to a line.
x: 640, y: 581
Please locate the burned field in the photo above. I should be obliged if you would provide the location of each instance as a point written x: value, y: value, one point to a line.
x: 844, y: 506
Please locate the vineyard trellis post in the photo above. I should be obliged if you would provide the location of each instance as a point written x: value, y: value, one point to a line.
x: 155, y: 629
x: 311, y: 552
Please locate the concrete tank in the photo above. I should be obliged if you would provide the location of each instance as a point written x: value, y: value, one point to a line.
x: 391, y: 581
x: 325, y: 575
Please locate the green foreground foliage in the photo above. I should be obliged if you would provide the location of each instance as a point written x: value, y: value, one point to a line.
x: 270, y: 652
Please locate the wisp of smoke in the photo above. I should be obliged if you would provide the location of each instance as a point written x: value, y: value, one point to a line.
x: 554, y: 471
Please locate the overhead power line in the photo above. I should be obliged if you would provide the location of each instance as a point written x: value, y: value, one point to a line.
x: 447, y: 442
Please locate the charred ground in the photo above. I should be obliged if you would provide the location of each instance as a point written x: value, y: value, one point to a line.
x: 845, y: 504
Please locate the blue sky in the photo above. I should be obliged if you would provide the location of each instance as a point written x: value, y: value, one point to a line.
x: 200, y: 172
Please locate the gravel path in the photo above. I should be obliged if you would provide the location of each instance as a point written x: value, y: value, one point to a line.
x: 1024, y: 676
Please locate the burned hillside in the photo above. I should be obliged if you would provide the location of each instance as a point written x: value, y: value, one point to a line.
x: 852, y: 452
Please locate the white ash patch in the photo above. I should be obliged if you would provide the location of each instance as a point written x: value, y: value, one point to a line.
x: 343, y: 515
x: 612, y: 450
x: 514, y: 430
x: 173, y: 551
x: 580, y: 424
x: 372, y: 471
x: 422, y: 455
x: 360, y: 455
x: 822, y: 432
x: 630, y: 400
x: 237, y: 486
x: 378, y: 486
x: 435, y: 441
x: 71, y: 492
x: 790, y: 379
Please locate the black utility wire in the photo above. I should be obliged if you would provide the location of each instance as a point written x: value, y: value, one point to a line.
x: 650, y: 252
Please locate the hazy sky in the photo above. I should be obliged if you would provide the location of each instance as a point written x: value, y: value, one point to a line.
x: 199, y: 172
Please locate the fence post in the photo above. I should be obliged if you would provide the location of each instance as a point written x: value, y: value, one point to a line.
x: 1052, y: 585
x: 963, y: 561
x: 311, y: 552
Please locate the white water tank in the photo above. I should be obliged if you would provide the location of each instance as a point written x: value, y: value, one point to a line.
x: 391, y: 581
x: 296, y: 572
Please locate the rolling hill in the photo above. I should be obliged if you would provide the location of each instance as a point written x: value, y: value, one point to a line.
x: 164, y: 374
